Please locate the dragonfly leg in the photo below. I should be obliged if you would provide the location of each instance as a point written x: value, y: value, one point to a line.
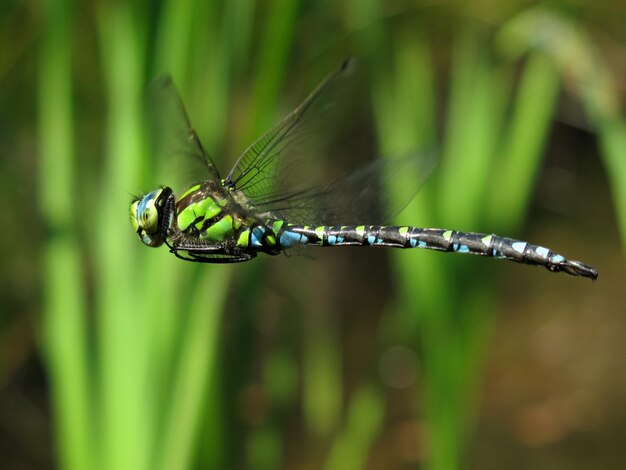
x: 200, y: 257
x: 217, y: 254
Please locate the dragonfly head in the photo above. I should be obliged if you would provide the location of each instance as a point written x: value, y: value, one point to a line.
x: 148, y: 216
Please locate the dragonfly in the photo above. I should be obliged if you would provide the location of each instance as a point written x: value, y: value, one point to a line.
x: 233, y: 219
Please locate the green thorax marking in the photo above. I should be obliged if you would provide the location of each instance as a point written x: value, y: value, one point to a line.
x: 243, y: 241
x: 192, y: 189
x: 199, y: 211
x: 205, y: 211
x: 220, y: 230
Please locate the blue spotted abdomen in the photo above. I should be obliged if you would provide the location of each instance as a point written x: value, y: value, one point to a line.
x: 289, y: 235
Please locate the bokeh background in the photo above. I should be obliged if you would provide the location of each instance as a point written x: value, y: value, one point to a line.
x: 116, y: 356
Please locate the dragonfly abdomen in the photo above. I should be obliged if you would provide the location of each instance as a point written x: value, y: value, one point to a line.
x: 495, y: 246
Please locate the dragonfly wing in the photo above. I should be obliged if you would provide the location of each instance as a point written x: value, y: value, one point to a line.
x: 366, y: 196
x: 262, y: 168
x: 171, y: 131
x: 264, y: 173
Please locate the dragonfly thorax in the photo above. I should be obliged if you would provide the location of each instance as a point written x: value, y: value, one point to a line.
x: 148, y: 218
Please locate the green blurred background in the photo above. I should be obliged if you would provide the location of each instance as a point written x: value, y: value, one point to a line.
x: 116, y: 356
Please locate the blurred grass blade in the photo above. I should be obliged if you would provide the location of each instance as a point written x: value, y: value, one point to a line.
x: 524, y: 141
x: 127, y: 416
x: 194, y: 368
x: 535, y: 103
x: 587, y: 76
x: 478, y: 96
x: 364, y: 419
x: 64, y: 303
x: 264, y: 449
x: 322, y: 370
x: 612, y: 135
x: 175, y: 37
x: 278, y: 30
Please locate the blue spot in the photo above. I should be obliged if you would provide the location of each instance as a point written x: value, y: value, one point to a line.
x: 557, y: 259
x: 332, y: 239
x: 371, y: 239
x: 422, y: 244
x: 519, y: 247
x: 304, y: 239
x: 541, y: 251
x: 288, y: 239
x: 464, y: 249
x: 257, y: 236
x: 340, y: 239
x: 413, y: 242
x: 455, y: 246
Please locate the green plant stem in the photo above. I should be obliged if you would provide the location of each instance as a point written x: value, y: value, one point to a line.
x: 127, y: 417
x: 64, y: 303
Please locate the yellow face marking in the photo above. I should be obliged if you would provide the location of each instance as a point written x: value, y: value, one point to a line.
x: 133, y: 216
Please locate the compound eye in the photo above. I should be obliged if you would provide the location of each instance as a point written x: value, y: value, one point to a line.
x: 147, y: 214
x: 149, y: 219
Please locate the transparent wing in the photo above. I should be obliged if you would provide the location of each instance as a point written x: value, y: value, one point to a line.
x: 173, y: 136
x: 371, y: 195
x: 265, y: 164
